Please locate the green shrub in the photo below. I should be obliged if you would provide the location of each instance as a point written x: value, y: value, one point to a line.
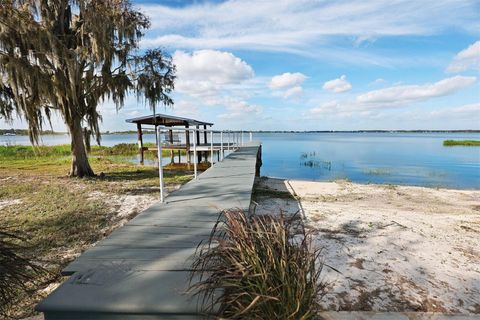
x: 469, y: 143
x: 258, y: 267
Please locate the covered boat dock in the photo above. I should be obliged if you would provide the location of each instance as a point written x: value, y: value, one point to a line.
x: 176, y: 141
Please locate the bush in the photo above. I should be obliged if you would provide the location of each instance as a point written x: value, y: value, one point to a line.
x: 468, y: 143
x: 258, y: 267
x: 16, y: 271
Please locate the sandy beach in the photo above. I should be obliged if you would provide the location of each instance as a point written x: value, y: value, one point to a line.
x: 396, y: 248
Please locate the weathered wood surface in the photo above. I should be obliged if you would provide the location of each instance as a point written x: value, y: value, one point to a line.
x: 141, y: 270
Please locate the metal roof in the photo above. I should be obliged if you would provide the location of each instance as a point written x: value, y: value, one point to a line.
x: 167, y: 120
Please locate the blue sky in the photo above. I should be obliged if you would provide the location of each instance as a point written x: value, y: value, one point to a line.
x: 317, y: 65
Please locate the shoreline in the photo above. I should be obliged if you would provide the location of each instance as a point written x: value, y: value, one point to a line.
x: 397, y: 248
x: 371, y: 183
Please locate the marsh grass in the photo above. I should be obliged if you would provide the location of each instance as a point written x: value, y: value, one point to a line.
x: 258, y: 267
x: 468, y: 143
x: 320, y: 164
x: 378, y: 172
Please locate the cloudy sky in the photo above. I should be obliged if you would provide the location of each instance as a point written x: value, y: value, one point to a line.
x: 317, y: 65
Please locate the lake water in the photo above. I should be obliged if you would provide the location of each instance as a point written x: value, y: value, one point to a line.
x: 388, y: 158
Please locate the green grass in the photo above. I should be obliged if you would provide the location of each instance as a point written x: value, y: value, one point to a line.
x: 469, y: 143
x: 55, y: 216
x: 55, y: 160
x: 58, y: 217
x: 24, y: 152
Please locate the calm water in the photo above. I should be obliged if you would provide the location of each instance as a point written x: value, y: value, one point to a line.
x: 396, y: 158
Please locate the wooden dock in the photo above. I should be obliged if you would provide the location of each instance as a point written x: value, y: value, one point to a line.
x: 141, y: 270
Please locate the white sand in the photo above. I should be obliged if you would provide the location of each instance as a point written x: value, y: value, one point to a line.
x: 398, y: 248
x: 6, y: 203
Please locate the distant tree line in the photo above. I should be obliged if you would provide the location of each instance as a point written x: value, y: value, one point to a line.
x: 365, y: 131
x: 24, y: 132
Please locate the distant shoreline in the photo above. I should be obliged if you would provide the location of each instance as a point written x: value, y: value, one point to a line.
x: 368, y: 131
x: 24, y: 132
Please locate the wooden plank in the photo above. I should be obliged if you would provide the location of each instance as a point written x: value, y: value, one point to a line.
x: 142, y: 268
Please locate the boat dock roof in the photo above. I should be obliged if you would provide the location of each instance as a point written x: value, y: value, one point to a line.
x: 159, y: 119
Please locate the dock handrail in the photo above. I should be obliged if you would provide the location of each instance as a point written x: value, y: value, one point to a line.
x: 235, y: 136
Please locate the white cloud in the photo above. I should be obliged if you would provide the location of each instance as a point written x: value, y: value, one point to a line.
x: 239, y: 109
x: 328, y: 107
x: 460, y: 117
x: 297, y: 25
x: 287, y: 80
x: 214, y: 79
x: 134, y: 113
x: 293, y: 92
x: 204, y: 72
x: 377, y: 81
x: 287, y: 84
x: 240, y: 106
x: 412, y: 93
x: 185, y: 108
x: 338, y: 85
x: 466, y: 59
x: 402, y: 96
x: 471, y: 111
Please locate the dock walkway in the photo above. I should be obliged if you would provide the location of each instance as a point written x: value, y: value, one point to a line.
x: 141, y: 270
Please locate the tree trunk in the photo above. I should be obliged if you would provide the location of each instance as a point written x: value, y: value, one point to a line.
x: 80, y: 166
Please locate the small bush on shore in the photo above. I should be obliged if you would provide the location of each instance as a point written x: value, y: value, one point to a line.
x: 258, y: 267
x: 469, y: 143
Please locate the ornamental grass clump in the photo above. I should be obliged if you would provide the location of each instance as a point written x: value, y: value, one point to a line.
x: 17, y: 272
x: 258, y: 267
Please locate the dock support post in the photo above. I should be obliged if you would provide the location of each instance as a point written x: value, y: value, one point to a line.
x: 241, y: 137
x: 259, y: 162
x: 221, y: 145
x: 251, y: 136
x: 197, y: 135
x: 211, y: 147
x: 160, y: 168
x: 140, y: 142
x: 187, y: 145
x: 205, y: 141
x: 194, y: 158
x: 172, y: 153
